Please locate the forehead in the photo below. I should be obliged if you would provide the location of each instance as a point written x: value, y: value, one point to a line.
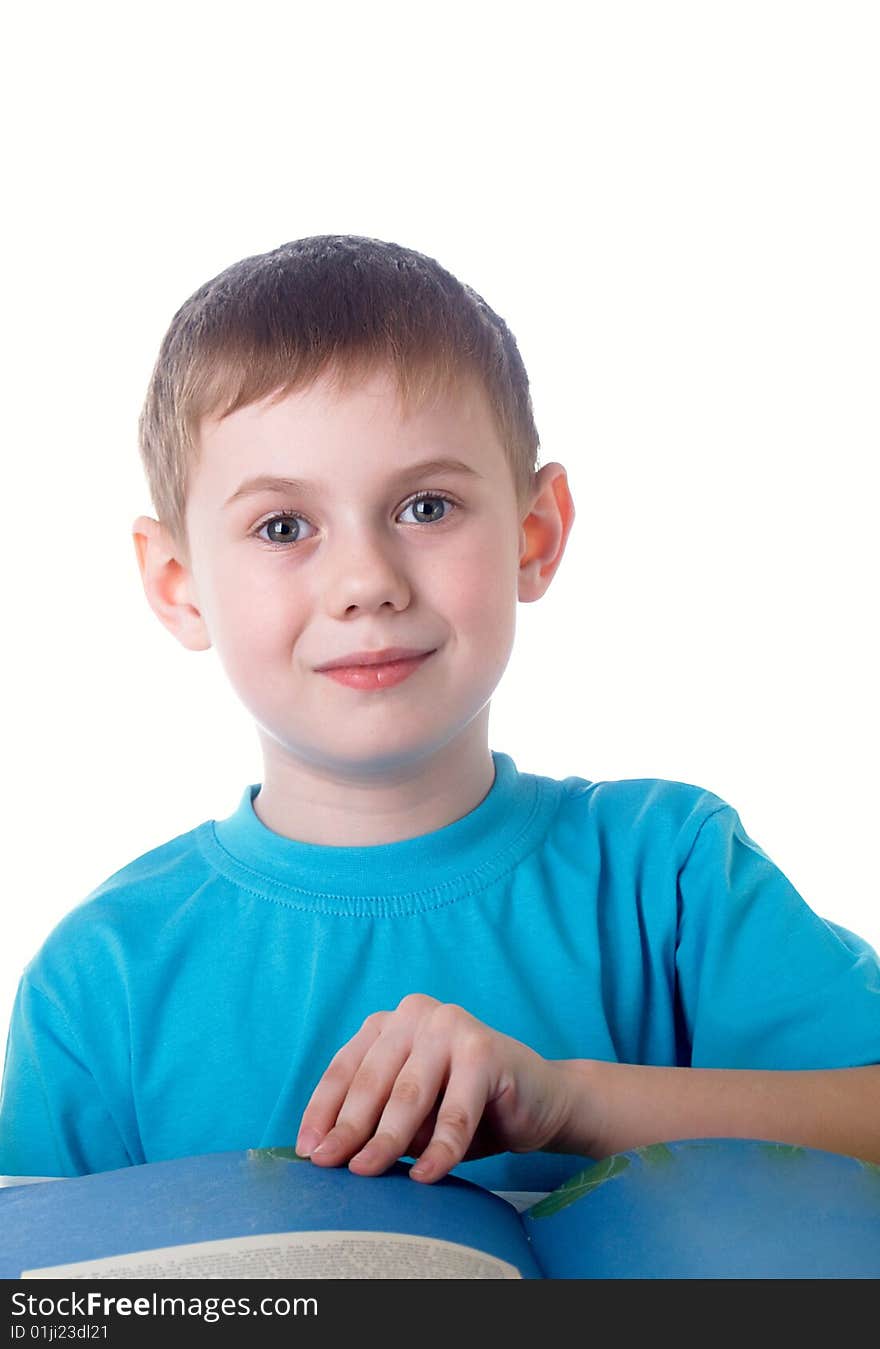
x: 319, y: 430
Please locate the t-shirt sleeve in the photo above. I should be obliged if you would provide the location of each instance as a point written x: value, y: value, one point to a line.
x: 761, y: 980
x: 53, y: 1119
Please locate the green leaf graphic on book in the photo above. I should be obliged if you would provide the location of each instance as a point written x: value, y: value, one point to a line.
x: 872, y: 1168
x: 784, y: 1151
x: 578, y: 1186
x: 275, y: 1154
x: 655, y: 1154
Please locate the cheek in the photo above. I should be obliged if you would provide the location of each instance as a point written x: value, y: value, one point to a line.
x: 247, y: 622
x: 480, y: 585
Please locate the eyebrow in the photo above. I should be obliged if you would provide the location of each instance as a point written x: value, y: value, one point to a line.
x: 301, y: 487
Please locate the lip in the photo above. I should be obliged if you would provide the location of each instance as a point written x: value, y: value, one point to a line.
x: 383, y: 657
x: 373, y: 676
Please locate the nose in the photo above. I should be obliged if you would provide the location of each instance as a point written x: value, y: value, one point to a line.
x: 365, y: 572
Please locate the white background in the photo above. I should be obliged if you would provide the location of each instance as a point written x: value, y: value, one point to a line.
x: 676, y: 208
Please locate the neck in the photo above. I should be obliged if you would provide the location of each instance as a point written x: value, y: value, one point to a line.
x: 344, y: 807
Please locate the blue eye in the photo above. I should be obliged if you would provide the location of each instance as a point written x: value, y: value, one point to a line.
x: 431, y: 500
x: 282, y: 528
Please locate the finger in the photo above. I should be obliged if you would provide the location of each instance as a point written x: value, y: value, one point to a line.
x: 423, y: 1135
x: 320, y: 1114
x: 458, y: 1117
x: 412, y: 1098
x: 367, y: 1095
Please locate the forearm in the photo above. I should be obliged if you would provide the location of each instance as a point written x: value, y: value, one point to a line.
x: 617, y: 1106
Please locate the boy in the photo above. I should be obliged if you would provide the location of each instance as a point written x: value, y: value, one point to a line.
x: 399, y: 945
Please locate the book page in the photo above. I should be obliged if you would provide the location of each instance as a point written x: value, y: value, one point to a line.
x: 295, y: 1255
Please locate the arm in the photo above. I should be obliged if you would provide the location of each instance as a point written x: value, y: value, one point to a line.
x: 760, y: 981
x: 429, y: 1080
x: 617, y: 1106
x: 53, y: 1118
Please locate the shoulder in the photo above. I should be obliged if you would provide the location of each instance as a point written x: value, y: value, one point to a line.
x: 142, y: 896
x: 655, y: 813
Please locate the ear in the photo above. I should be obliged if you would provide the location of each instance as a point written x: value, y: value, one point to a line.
x: 544, y: 532
x: 168, y: 583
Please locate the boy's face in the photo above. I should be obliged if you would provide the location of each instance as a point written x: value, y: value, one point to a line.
x: 288, y: 578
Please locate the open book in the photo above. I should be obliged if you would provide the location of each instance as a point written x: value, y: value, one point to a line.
x: 710, y: 1208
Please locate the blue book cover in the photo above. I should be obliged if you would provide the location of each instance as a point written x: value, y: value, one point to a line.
x: 702, y: 1208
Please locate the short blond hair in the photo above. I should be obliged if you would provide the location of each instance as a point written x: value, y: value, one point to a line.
x: 331, y: 303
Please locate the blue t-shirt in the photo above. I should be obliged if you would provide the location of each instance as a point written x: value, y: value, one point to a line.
x: 191, y: 1003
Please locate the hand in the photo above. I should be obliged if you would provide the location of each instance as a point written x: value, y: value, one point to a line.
x: 430, y: 1080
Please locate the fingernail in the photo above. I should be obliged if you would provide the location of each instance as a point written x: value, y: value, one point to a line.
x: 369, y: 1153
x: 420, y: 1169
x: 328, y: 1146
x: 307, y: 1141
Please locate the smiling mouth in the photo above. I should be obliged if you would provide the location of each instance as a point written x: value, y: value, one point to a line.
x: 385, y: 656
x: 377, y: 674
